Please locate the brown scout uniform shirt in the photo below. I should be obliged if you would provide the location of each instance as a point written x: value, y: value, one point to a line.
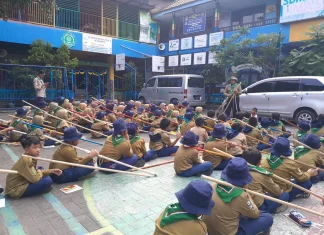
x: 164, y: 142
x: 116, y: 152
x: 210, y: 123
x: 111, y: 118
x: 67, y: 153
x: 156, y: 124
x: 201, y: 132
x: 14, y: 136
x: 185, y: 158
x: 139, y: 148
x: 184, y: 227
x: 173, y: 123
x: 240, y: 139
x: 185, y: 128
x: 39, y: 134
x: 287, y: 170
x: 311, y: 158
x: 263, y: 184
x: 228, y: 89
x: 256, y: 135
x: 225, y: 217
x: 99, y: 127
x: 213, y: 158
x: 16, y: 184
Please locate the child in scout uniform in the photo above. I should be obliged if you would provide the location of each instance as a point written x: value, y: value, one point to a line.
x: 187, y: 162
x: 310, y: 156
x: 37, y: 132
x: 287, y: 169
x: 234, y: 212
x: 170, y: 110
x: 264, y: 126
x: 176, y: 103
x: 62, y: 124
x: 198, y: 111
x: 100, y: 126
x: 277, y: 126
x: 238, y: 139
x: 209, y: 122
x: 223, y: 119
x: 129, y: 106
x: 18, y: 125
x: 263, y: 183
x: 163, y: 108
x: 183, y: 108
x: 137, y: 104
x: 87, y: 115
x: 139, y: 116
x: 129, y: 116
x: 120, y: 111
x: 216, y: 141
x: 118, y: 147
x: 160, y: 141
x: 174, y: 120
x: 255, y: 133
x: 300, y: 133
x: 110, y: 115
x: 317, y: 126
x: 30, y: 180
x: 199, y: 130
x: 187, y: 123
x: 52, y: 109
x: 156, y: 123
x: 67, y: 153
x: 66, y: 104
x: 184, y: 217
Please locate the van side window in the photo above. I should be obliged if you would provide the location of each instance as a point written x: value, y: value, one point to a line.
x: 261, y: 88
x: 170, y: 82
x: 150, y: 83
x: 311, y: 85
x: 196, y: 82
x: 287, y: 86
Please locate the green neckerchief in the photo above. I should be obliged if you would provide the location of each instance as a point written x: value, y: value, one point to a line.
x: 16, y: 122
x: 37, y: 112
x: 227, y: 194
x: 232, y: 87
x: 150, y: 115
x: 185, y: 122
x: 279, y: 124
x: 169, y: 113
x: 300, y: 134
x: 117, y: 139
x: 300, y: 151
x: 134, y: 139
x: 210, y: 139
x: 196, y: 115
x: 58, y: 123
x: 175, y: 213
x: 274, y: 161
x: 260, y: 170
x: 57, y: 109
x: 315, y: 130
x: 78, y: 110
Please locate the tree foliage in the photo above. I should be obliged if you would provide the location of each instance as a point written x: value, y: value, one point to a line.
x: 128, y: 83
x: 241, y: 49
x: 308, y: 59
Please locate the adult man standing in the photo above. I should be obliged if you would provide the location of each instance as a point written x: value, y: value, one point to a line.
x: 40, y: 87
x: 232, y: 92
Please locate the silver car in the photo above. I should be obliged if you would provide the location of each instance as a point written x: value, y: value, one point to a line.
x: 167, y: 88
x: 297, y: 98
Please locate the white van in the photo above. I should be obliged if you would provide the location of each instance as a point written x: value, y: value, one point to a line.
x: 167, y: 88
x: 298, y: 98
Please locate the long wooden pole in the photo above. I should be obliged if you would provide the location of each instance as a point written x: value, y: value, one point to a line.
x: 262, y: 195
x: 83, y: 166
x: 292, y: 124
x: 279, y: 178
x: 50, y: 127
x: 76, y: 114
x: 154, y: 165
x: 8, y: 171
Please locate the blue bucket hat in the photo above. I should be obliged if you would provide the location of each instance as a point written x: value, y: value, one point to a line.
x: 100, y: 115
x: 109, y: 101
x: 185, y: 103
x: 140, y: 110
x: 153, y: 108
x: 42, y: 104
x: 129, y: 113
x: 119, y: 126
x: 20, y: 112
x: 281, y: 147
x: 60, y: 100
x: 132, y: 128
x: 189, y: 109
x: 190, y: 139
x: 71, y: 134
x: 237, y: 172
x: 110, y: 107
x: 196, y: 198
x: 305, y: 125
x: 219, y: 131
x: 71, y: 100
x: 148, y: 102
x: 175, y: 102
x: 189, y: 115
x: 157, y: 113
x: 312, y: 141
x: 265, y: 123
x: 89, y: 101
x: 129, y: 106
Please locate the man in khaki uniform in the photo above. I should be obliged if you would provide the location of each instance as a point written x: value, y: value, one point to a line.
x: 187, y: 123
x: 30, y: 180
x: 254, y: 133
x: 184, y: 217
x: 287, y: 169
x: 232, y: 92
x: 216, y: 141
x: 100, y: 126
x: 67, y: 153
x: 310, y: 156
x: 118, y: 147
x: 234, y: 212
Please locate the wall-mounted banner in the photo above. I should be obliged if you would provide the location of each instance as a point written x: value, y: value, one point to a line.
x: 120, y: 62
x: 174, y: 45
x: 194, y: 23
x: 200, y: 58
x: 186, y: 43
x: 215, y: 38
x: 293, y: 10
x: 148, y: 28
x: 212, y: 58
x: 173, y: 60
x: 246, y: 66
x: 158, y: 64
x: 96, y: 43
x: 185, y: 59
x: 201, y: 41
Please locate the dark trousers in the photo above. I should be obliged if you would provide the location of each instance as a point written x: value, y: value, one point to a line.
x: 39, y: 187
x: 270, y: 206
x: 222, y: 165
x: 115, y: 166
x: 232, y: 105
x: 249, y: 226
x: 295, y: 191
x: 49, y: 142
x: 40, y: 99
x: 196, y: 169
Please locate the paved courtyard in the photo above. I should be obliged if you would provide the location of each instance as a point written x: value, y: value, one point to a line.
x: 115, y: 203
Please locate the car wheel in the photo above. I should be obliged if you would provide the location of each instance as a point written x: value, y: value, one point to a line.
x: 142, y: 100
x: 305, y: 115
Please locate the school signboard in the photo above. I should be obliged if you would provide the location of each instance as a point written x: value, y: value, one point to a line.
x: 295, y: 10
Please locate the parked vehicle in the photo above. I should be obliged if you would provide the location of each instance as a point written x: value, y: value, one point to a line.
x: 297, y: 98
x: 166, y: 88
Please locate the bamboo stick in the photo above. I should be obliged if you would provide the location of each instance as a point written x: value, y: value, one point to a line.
x: 10, y: 143
x: 302, y: 163
x: 50, y: 127
x: 154, y: 165
x: 262, y: 195
x: 292, y: 124
x: 44, y: 120
x: 87, y: 120
x: 279, y: 178
x: 8, y: 171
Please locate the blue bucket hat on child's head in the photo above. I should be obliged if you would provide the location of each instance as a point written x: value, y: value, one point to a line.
x: 140, y: 110
x: 305, y: 125
x: 157, y: 113
x: 71, y: 134
x: 312, y: 141
x: 218, y: 131
x: 119, y: 126
x: 100, y: 115
x: 189, y: 115
x: 129, y: 113
x: 132, y: 128
x: 265, y: 123
x: 185, y: 103
x: 189, y: 139
x: 281, y: 147
x: 20, y: 112
x: 237, y: 172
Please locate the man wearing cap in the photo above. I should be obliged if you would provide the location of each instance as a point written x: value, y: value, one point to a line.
x: 40, y: 86
x: 67, y: 153
x: 118, y: 147
x: 156, y: 123
x: 19, y: 125
x: 216, y: 140
x: 187, y: 162
x: 100, y: 126
x: 233, y: 91
x: 304, y: 128
x: 310, y: 156
x: 234, y: 212
x: 287, y: 169
x: 187, y: 123
x: 184, y: 217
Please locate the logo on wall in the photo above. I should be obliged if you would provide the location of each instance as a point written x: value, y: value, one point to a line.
x: 68, y: 39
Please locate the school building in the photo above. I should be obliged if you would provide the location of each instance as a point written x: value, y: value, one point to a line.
x: 159, y: 36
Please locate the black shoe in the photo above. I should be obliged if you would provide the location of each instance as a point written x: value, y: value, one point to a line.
x: 140, y: 163
x: 1, y: 190
x: 208, y: 172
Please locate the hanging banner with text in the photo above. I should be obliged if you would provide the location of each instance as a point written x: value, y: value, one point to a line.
x: 120, y: 62
x: 194, y: 23
x: 148, y: 28
x: 96, y: 43
x: 158, y: 64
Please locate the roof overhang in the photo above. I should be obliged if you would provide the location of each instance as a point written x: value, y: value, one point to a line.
x: 135, y: 3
